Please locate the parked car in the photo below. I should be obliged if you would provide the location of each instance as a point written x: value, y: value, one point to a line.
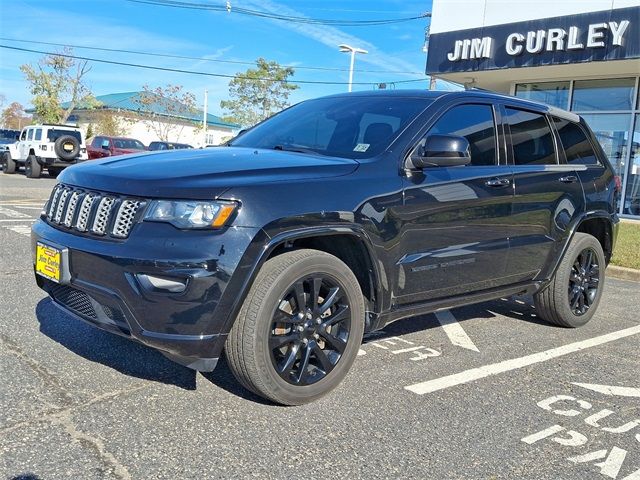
x: 168, y: 146
x: 7, y: 136
x: 102, y: 146
x: 330, y: 219
x: 49, y: 146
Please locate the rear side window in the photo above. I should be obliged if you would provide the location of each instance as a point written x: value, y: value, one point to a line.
x: 38, y: 134
x: 475, y: 123
x: 30, y: 134
x: 531, y: 138
x: 577, y: 147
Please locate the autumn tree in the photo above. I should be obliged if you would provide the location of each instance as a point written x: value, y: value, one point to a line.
x: 258, y: 93
x: 54, y: 80
x: 14, y: 117
x: 167, y: 110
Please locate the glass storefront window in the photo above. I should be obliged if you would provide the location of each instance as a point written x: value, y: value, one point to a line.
x: 612, y: 131
x: 603, y: 95
x: 631, y: 205
x: 551, y: 93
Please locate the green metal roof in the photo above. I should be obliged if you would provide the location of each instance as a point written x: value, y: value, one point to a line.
x: 130, y: 101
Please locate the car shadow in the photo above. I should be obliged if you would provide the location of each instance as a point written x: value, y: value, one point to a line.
x: 517, y: 307
x: 121, y: 354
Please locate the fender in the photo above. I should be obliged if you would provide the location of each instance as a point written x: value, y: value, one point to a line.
x: 613, y: 221
x: 13, y: 150
x: 265, y: 245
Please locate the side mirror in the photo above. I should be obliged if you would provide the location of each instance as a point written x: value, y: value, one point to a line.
x: 442, y: 151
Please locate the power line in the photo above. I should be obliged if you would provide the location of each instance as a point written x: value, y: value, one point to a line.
x: 183, y: 57
x: 195, y: 72
x: 287, y: 18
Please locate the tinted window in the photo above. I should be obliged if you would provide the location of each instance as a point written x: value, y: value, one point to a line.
x: 475, y: 123
x: 55, y: 134
x: 531, y: 138
x: 96, y: 142
x: 30, y: 134
x: 352, y: 127
x: 38, y: 134
x: 24, y: 135
x: 577, y: 147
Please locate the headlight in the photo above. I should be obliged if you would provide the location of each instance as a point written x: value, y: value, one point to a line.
x: 190, y: 214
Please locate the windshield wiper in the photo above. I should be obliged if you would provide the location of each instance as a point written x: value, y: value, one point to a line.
x: 295, y: 148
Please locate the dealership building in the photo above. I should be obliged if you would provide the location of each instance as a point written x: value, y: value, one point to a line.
x: 579, y: 55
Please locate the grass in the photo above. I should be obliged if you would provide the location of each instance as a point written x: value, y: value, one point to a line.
x: 627, y: 249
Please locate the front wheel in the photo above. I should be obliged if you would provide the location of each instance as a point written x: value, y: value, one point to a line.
x: 8, y: 163
x: 572, y: 297
x: 299, y: 329
x: 32, y: 168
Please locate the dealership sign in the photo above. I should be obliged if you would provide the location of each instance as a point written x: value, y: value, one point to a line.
x: 607, y: 35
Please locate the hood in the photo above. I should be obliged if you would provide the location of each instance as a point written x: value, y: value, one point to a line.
x: 200, y: 174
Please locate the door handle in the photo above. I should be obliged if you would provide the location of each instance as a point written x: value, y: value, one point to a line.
x: 568, y: 179
x: 498, y: 182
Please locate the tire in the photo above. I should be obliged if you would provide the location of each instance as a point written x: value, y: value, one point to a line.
x: 8, y: 163
x: 325, y: 339
x: 54, y: 171
x: 66, y: 147
x: 573, y: 295
x: 32, y: 168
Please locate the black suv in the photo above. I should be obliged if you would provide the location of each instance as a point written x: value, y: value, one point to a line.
x: 330, y: 219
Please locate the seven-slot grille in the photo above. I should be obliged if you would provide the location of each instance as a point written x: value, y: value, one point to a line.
x: 92, y: 212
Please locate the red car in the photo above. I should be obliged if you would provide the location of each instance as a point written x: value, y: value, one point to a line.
x: 102, y: 146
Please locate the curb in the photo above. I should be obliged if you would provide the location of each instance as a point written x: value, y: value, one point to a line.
x: 623, y: 273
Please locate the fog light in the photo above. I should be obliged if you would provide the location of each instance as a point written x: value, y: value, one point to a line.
x: 152, y: 283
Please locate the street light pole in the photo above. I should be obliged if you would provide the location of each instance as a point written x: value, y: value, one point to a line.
x: 347, y: 48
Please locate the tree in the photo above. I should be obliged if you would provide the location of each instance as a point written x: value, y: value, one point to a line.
x: 258, y: 93
x: 14, y: 117
x: 108, y: 123
x: 159, y: 107
x: 53, y: 80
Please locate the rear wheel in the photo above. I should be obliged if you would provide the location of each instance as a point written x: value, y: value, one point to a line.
x: 32, y: 168
x: 299, y: 329
x: 54, y: 171
x: 572, y: 297
x: 8, y: 163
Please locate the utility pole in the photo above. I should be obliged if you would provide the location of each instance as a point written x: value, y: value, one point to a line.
x: 204, y: 118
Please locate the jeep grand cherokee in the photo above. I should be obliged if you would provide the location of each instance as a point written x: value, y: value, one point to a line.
x: 330, y: 219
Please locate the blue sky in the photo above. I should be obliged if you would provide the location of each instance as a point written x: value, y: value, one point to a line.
x: 121, y: 24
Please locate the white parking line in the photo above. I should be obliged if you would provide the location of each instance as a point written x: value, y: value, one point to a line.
x: 454, y: 330
x: 21, y: 229
x: 7, y: 212
x: 611, y: 389
x: 515, y: 363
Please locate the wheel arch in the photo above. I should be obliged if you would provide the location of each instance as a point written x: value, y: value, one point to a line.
x: 349, y: 244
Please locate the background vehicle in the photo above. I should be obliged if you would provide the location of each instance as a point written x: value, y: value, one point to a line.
x: 49, y: 146
x: 7, y: 136
x: 102, y: 146
x: 168, y: 146
x: 330, y: 219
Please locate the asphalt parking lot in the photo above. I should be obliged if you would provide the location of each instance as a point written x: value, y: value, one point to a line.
x: 482, y: 392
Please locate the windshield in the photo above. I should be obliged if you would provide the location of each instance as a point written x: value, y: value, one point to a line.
x: 351, y: 127
x: 129, y: 143
x: 11, y: 135
x: 55, y: 134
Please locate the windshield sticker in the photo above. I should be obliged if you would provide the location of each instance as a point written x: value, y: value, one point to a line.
x: 362, y: 147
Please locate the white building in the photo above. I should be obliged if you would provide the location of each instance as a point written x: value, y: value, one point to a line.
x: 146, y: 124
x: 579, y: 55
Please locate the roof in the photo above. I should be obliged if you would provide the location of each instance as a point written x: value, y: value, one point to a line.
x: 130, y: 101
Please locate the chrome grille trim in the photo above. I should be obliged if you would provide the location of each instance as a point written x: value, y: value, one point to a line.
x: 85, y: 211
x: 71, y: 209
x: 102, y: 215
x: 61, y: 204
x: 124, y: 218
x: 92, y: 213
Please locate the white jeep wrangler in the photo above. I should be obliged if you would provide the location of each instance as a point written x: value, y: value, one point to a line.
x: 53, y: 147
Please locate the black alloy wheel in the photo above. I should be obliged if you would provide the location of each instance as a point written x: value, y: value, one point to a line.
x: 584, y: 281
x: 310, y: 329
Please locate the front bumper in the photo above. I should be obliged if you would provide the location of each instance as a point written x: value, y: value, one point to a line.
x: 107, y: 286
